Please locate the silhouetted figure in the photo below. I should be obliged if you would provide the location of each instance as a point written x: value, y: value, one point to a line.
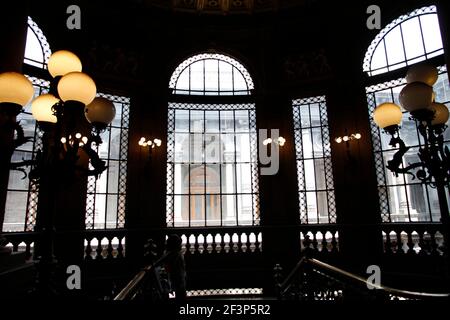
x: 173, y: 261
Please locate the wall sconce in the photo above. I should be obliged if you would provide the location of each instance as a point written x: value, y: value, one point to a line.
x: 151, y: 144
x: 353, y: 136
x: 280, y: 141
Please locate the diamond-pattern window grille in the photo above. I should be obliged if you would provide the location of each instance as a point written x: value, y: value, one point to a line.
x: 23, y: 193
x: 403, y: 199
x: 314, y: 167
x: 212, y: 168
x: 410, y: 38
x: 37, y: 50
x: 211, y: 74
x: 106, y: 196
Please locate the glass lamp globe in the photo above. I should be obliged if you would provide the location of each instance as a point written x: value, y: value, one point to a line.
x: 100, y: 111
x: 15, y: 88
x: 441, y: 113
x: 63, y: 62
x: 41, y: 108
x: 77, y: 86
x: 422, y: 73
x: 416, y: 96
x: 387, y: 115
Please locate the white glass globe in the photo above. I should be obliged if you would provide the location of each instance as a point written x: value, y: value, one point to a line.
x: 41, y: 108
x: 100, y: 110
x: 387, y: 114
x: 77, y: 86
x: 63, y: 62
x: 15, y: 88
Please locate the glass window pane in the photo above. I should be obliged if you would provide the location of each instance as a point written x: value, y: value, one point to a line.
x: 317, y: 142
x: 181, y: 147
x: 319, y: 170
x: 431, y: 32
x: 212, y: 148
x: 245, y: 209
x: 15, y: 210
x: 212, y: 121
x: 114, y: 150
x: 379, y: 57
x: 211, y: 75
x: 310, y: 179
x: 33, y: 49
x: 304, y: 117
x: 113, y: 176
x: 244, y: 178
x: 197, y: 210
x: 226, y: 76
x: 197, y: 179
x: 213, y: 207
x: 242, y: 148
x: 228, y: 178
x: 17, y: 180
x: 100, y: 211
x: 239, y: 82
x: 196, y: 148
x: 197, y: 121
x: 101, y: 183
x: 181, y: 210
x: 197, y: 80
x: 181, y: 121
x: 315, y: 115
x: 412, y: 38
x: 213, y: 178
x: 181, y: 179
x: 307, y: 144
x: 111, y: 213
x: 394, y: 46
x: 311, y: 201
x: 228, y: 148
x: 242, y: 120
x: 183, y: 80
x: 322, y: 206
x: 226, y: 121
x: 229, y: 209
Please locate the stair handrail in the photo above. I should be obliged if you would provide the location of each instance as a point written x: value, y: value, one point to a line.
x: 287, y: 283
x: 132, y: 286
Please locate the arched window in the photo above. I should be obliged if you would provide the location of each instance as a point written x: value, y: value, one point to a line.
x: 37, y: 49
x: 212, y: 170
x: 409, y: 39
x: 211, y: 74
x: 402, y: 198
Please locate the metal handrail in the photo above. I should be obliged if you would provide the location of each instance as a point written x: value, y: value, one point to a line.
x: 131, y: 287
x: 350, y: 276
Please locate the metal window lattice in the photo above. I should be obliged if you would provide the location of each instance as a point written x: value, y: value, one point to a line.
x: 170, y: 188
x: 215, y: 56
x: 387, y: 88
x: 382, y: 34
x: 326, y: 157
x: 92, y: 206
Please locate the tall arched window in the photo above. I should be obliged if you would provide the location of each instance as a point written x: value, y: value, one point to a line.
x: 37, y: 49
x: 22, y: 196
x: 212, y: 172
x: 402, y: 198
x: 408, y: 39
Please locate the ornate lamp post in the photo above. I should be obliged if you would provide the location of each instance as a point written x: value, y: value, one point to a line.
x: 67, y: 116
x: 418, y: 98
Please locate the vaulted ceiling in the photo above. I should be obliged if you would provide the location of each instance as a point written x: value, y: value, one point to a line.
x: 225, y: 6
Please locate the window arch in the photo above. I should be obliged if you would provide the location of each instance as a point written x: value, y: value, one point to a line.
x: 411, y: 38
x: 211, y: 74
x: 37, y: 49
x: 212, y: 168
x: 402, y: 198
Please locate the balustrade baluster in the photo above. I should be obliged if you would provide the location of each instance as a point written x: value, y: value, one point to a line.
x: 423, y: 251
x: 120, y: 248
x: 434, y: 244
x: 110, y: 249
x: 324, y: 242
x: 399, y: 243
x: 99, y: 250
x: 88, y: 250
x: 410, y: 244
